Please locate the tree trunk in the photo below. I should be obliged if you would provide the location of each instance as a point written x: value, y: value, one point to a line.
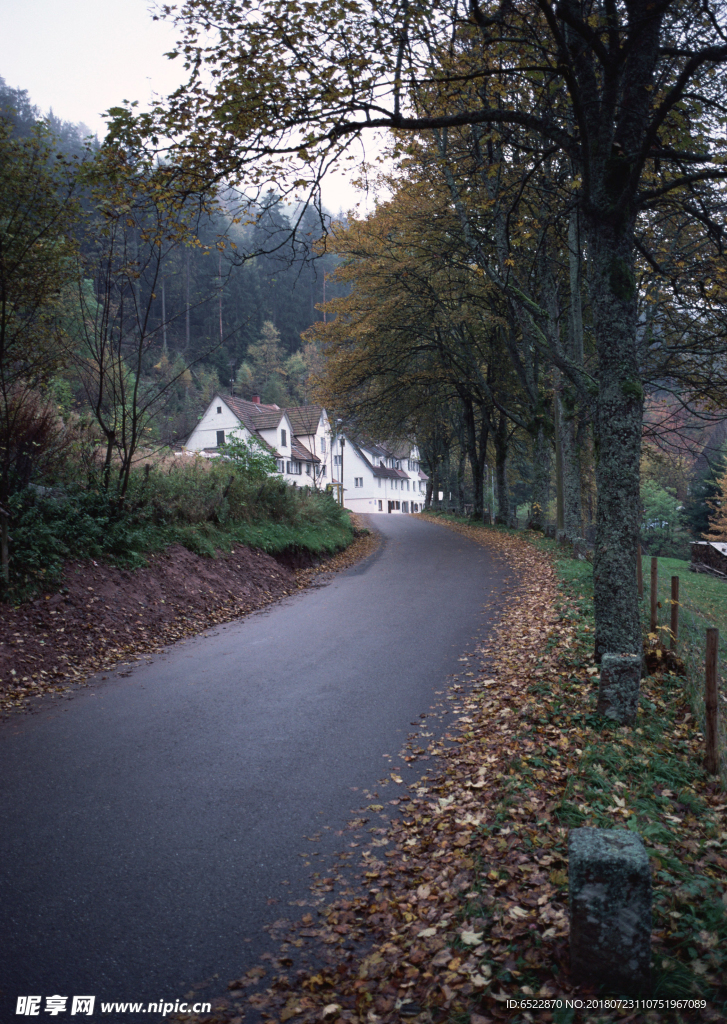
x: 571, y: 457
x: 541, y: 478
x: 476, y: 456
x: 619, y: 414
x: 558, y: 429
x: 570, y: 420
x: 503, y: 499
x: 460, y: 482
x: 5, y: 546
x: 106, y: 472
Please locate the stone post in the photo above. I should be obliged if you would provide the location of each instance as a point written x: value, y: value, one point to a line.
x: 610, y: 910
x: 618, y: 691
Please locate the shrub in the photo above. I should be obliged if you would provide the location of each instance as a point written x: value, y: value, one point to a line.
x: 203, y: 504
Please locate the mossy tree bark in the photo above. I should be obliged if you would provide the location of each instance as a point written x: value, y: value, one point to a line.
x: 542, y: 455
x: 619, y: 415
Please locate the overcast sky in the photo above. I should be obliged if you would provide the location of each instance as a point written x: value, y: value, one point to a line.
x: 80, y: 57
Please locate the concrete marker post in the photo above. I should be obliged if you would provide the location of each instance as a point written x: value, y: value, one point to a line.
x: 609, y: 881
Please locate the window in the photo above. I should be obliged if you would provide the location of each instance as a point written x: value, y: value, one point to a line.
x: 323, y: 445
x: 219, y: 409
x: 323, y: 470
x: 381, y: 505
x: 336, y: 460
x: 280, y: 463
x: 307, y: 468
x: 407, y: 485
x: 358, y: 481
x: 220, y: 438
x: 405, y: 506
x: 283, y: 438
x: 295, y: 468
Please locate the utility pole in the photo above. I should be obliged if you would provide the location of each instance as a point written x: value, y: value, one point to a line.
x: 342, y: 443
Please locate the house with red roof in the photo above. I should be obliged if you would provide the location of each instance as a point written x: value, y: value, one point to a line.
x: 298, y: 438
x: 374, y: 477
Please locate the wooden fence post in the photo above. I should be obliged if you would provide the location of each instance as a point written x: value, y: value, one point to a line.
x: 654, y: 595
x: 674, y: 612
x: 711, y: 759
x: 639, y: 571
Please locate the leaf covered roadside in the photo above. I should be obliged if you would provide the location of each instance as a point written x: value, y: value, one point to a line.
x: 463, y: 902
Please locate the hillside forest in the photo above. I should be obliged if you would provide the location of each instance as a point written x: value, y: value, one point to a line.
x: 127, y: 303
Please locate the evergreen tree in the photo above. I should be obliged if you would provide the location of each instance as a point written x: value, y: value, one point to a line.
x: 704, y: 489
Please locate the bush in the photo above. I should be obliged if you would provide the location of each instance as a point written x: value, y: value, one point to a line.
x: 205, y: 505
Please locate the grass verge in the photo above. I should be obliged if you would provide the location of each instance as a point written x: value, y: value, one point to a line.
x: 648, y: 779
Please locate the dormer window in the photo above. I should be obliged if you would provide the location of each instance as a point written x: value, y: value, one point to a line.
x: 283, y: 438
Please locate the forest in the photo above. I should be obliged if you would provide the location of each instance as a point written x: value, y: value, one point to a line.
x: 539, y: 300
x: 127, y: 303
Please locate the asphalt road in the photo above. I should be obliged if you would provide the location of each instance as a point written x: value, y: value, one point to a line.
x: 145, y: 825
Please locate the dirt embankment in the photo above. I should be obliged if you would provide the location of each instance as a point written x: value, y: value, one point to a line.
x: 102, y: 614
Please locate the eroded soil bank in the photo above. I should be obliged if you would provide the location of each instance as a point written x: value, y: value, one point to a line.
x: 102, y: 614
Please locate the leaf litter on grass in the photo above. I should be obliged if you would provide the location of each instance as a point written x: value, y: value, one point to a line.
x: 461, y: 902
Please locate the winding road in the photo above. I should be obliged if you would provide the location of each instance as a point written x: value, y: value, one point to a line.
x: 146, y: 825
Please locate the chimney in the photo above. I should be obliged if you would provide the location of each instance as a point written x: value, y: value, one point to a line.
x: 256, y: 399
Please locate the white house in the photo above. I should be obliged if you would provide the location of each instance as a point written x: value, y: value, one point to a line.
x: 381, y: 477
x: 298, y: 438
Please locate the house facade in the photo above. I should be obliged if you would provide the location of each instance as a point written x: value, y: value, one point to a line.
x: 379, y: 477
x: 298, y: 438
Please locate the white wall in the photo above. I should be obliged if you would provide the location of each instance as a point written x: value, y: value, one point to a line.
x: 367, y: 497
x: 204, y: 434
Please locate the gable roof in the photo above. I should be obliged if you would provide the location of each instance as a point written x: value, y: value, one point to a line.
x: 304, y: 419
x: 254, y: 415
x: 300, y: 452
x: 385, y: 450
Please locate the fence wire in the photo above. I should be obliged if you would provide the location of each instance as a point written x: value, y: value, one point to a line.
x: 691, y: 647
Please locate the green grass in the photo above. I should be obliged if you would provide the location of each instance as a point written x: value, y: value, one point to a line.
x: 207, y: 508
x: 657, y: 768
x: 702, y: 604
x: 699, y: 595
